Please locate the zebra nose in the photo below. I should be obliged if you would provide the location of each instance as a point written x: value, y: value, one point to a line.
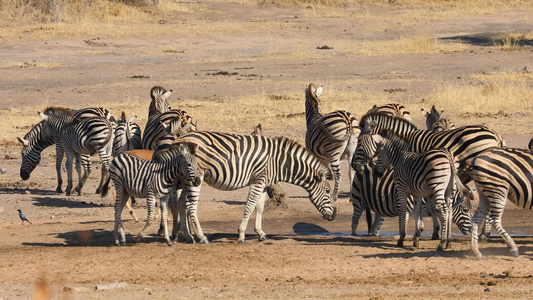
x: 24, y: 175
x: 331, y: 217
x: 197, y: 182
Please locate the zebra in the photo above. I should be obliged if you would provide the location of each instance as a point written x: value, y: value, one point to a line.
x: 159, y: 103
x: 229, y: 162
x: 151, y: 175
x: 464, y: 143
x: 430, y: 174
x: 393, y: 110
x: 380, y: 195
x: 331, y: 137
x: 33, y: 144
x: 127, y: 135
x: 435, y: 122
x: 155, y: 127
x: 78, y: 137
x: 500, y: 174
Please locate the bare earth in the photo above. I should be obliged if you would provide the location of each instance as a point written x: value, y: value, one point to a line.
x: 69, y: 248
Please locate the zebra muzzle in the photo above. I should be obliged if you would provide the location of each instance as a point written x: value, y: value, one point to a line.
x: 331, y: 217
x: 24, y: 175
x: 359, y: 167
x: 197, y: 182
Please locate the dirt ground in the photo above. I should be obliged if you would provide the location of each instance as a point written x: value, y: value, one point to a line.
x: 68, y: 250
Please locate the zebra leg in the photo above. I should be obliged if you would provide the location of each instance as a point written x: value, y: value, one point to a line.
x: 132, y: 213
x: 376, y: 226
x: 402, y: 219
x: 150, y: 205
x: 121, y: 198
x: 336, y: 169
x: 436, y: 227
x: 485, y: 231
x: 358, y: 207
x: 417, y: 214
x: 496, y: 222
x: 164, y: 217
x: 479, y: 217
x: 192, y: 207
x: 86, y: 163
x: 78, y: 170
x: 449, y: 224
x: 254, y: 194
x: 259, y: 216
x: 104, y: 157
x: 441, y: 208
x: 59, y: 159
x: 70, y: 157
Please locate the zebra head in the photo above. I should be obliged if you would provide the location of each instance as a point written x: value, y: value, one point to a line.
x: 462, y: 213
x: 159, y: 102
x: 312, y: 100
x: 30, y: 159
x: 320, y: 194
x: 188, y: 166
x: 258, y: 130
x: 431, y: 117
x: 388, y: 147
x: 365, y: 151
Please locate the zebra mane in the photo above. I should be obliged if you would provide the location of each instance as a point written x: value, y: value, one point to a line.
x: 34, y: 130
x: 157, y: 91
x: 397, y: 140
x: 58, y: 111
x: 370, y: 120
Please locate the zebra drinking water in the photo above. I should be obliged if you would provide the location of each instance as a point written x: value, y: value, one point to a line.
x: 230, y: 162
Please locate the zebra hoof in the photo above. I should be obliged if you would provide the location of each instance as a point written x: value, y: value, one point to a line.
x: 117, y: 243
x: 416, y: 244
x: 204, y: 241
x: 514, y: 252
x: 59, y: 190
x: 440, y: 249
x: 483, y: 238
x: 241, y: 242
x: 170, y: 244
x: 263, y: 238
x: 399, y: 244
x: 435, y: 237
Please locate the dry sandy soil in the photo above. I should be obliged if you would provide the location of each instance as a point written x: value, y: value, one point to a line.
x: 68, y: 250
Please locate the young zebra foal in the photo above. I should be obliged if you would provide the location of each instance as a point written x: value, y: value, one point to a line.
x: 135, y: 174
x: 429, y: 174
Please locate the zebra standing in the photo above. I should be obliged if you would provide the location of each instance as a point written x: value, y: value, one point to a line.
x: 33, y: 143
x: 500, y: 174
x: 435, y: 122
x: 464, y: 143
x: 430, y: 174
x: 230, y: 162
x: 380, y: 195
x: 151, y: 175
x: 78, y: 137
x: 331, y: 137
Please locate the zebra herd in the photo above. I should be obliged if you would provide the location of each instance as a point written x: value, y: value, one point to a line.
x: 400, y: 169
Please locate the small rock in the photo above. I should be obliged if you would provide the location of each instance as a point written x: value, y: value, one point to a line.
x: 112, y: 286
x: 28, y: 193
x: 487, y: 290
x: 76, y: 289
x: 3, y: 170
x: 52, y: 217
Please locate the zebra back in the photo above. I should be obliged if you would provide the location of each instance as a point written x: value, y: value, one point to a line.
x: 392, y: 110
x: 127, y: 135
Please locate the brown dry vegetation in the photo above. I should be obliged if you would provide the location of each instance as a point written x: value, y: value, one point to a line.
x: 233, y: 64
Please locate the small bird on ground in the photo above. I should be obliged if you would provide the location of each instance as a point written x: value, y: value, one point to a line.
x: 23, y: 217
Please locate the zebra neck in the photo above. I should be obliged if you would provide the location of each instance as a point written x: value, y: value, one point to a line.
x: 311, y: 113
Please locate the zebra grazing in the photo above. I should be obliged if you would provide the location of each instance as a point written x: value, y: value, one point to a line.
x: 380, y: 195
x: 500, y: 174
x: 331, y: 137
x: 230, y: 162
x: 79, y: 137
x: 435, y: 122
x: 33, y: 143
x: 127, y: 135
x: 151, y: 175
x: 392, y: 110
x: 464, y: 143
x: 430, y: 174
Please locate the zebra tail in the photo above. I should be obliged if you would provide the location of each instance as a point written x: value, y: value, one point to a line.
x: 463, y: 190
x: 105, y: 188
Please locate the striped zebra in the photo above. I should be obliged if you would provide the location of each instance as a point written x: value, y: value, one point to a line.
x: 500, y: 174
x: 331, y: 137
x: 180, y: 123
x: 159, y: 103
x: 79, y: 137
x: 430, y: 174
x: 127, y: 135
x: 151, y: 175
x: 33, y: 143
x: 229, y: 162
x: 464, y: 143
x: 392, y: 110
x: 435, y: 122
x: 380, y: 195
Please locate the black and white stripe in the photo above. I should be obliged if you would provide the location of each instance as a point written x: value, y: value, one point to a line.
x: 230, y: 162
x: 127, y: 135
x: 500, y: 174
x: 464, y: 143
x: 391, y: 110
x: 435, y: 122
x: 79, y: 137
x: 430, y: 174
x: 179, y: 121
x: 153, y: 179
x: 331, y: 137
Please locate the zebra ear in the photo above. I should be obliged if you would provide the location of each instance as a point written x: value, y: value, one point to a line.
x: 123, y: 117
x: 23, y: 142
x: 369, y: 126
x: 434, y: 111
x: 166, y: 127
x: 319, y: 91
x: 424, y: 113
x: 43, y: 116
x: 377, y: 138
x: 113, y: 120
x: 133, y: 119
x: 166, y: 95
x: 192, y: 147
